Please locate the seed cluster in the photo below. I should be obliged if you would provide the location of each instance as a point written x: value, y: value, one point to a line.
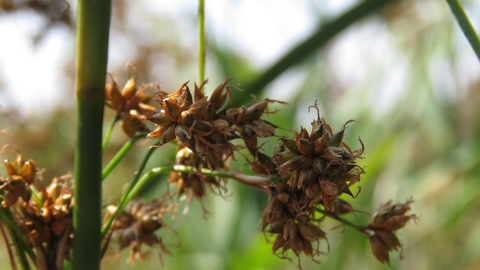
x: 136, y: 225
x: 45, y: 218
x: 206, y: 127
x: 315, y: 168
x: 385, y: 221
x: 308, y: 171
x: 130, y: 104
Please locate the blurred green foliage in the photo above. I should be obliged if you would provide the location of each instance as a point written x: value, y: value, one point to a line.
x: 417, y: 112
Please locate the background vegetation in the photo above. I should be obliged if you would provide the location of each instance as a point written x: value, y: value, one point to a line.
x: 405, y: 72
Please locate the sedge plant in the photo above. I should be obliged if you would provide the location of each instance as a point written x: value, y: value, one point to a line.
x: 63, y: 225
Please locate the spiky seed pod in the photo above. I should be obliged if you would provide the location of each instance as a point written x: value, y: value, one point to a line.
x: 130, y: 104
x: 137, y: 223
x: 21, y: 175
x: 385, y: 221
x: 319, y: 163
x: 293, y: 228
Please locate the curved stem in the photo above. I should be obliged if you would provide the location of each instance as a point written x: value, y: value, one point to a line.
x: 120, y: 155
x: 109, y: 132
x: 139, y: 182
x: 465, y: 25
x: 201, y: 40
x: 246, y: 179
x: 359, y: 228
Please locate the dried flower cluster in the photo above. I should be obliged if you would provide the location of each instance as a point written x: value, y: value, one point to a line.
x: 316, y: 168
x: 130, y: 104
x: 205, y: 127
x: 136, y: 225
x: 44, y: 216
x: 309, y: 171
x: 385, y: 221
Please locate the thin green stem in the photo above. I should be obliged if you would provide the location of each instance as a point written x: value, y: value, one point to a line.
x: 109, y: 132
x: 93, y: 23
x: 22, y: 257
x: 120, y: 155
x: 201, y: 40
x: 145, y: 179
x: 21, y: 242
x: 123, y: 200
x: 465, y: 25
x: 137, y: 185
x: 37, y: 199
x: 359, y: 228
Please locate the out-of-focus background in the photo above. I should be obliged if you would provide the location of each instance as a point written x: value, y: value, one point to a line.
x: 404, y: 72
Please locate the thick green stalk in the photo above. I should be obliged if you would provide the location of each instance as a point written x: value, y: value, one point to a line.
x: 465, y: 25
x: 318, y: 39
x: 93, y: 22
x: 201, y: 40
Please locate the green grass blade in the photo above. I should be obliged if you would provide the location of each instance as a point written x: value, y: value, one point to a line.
x: 465, y: 25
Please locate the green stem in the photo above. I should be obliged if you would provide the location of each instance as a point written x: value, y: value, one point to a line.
x: 359, y: 228
x: 22, y: 257
x: 37, y: 199
x: 324, y: 33
x: 109, y: 132
x: 246, y: 179
x: 21, y: 242
x: 93, y: 22
x: 123, y: 200
x: 137, y: 185
x: 120, y: 155
x: 201, y: 40
x: 465, y: 25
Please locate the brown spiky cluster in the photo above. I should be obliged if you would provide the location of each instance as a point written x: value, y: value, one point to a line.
x: 45, y: 217
x: 385, y: 221
x: 319, y: 164
x: 206, y: 127
x: 130, y: 104
x: 316, y: 168
x: 293, y: 225
x: 136, y: 225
